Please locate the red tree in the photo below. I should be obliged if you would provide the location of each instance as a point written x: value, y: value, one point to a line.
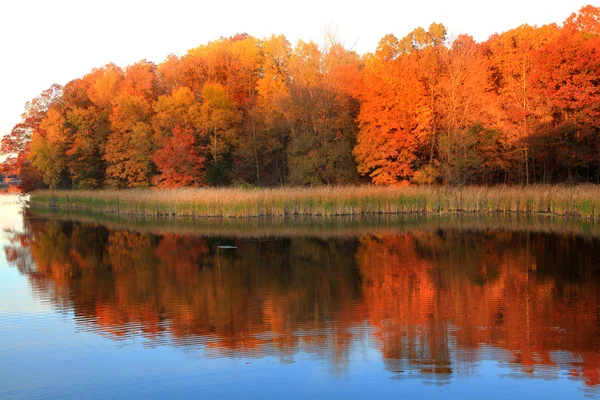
x: 179, y: 161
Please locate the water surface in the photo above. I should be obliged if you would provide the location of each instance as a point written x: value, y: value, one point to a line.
x: 390, y: 309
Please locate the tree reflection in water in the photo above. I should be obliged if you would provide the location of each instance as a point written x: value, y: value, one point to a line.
x: 434, y: 303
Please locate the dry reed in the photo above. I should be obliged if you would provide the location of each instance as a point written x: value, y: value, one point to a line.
x: 580, y: 201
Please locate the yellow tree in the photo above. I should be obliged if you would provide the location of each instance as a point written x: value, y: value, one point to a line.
x: 321, y: 111
x: 250, y: 149
x: 218, y: 120
x: 48, y: 148
x: 271, y: 123
x: 465, y: 100
x: 87, y: 104
x: 179, y: 108
x: 130, y: 146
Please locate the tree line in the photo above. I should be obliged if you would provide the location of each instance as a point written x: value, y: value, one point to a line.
x: 522, y: 107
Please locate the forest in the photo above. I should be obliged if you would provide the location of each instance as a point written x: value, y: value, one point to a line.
x: 522, y: 107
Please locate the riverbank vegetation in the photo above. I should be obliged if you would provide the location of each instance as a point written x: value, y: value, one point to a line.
x: 428, y: 108
x: 581, y: 201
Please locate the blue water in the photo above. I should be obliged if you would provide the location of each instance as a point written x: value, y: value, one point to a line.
x: 53, y: 346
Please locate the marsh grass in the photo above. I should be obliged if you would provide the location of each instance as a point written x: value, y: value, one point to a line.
x: 580, y: 201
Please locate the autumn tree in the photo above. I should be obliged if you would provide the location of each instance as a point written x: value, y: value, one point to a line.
x: 16, y: 145
x: 48, y: 148
x: 244, y: 69
x: 585, y: 21
x: 567, y: 79
x: 512, y: 57
x: 179, y: 160
x: 321, y: 111
x: 218, y: 124
x: 186, y: 71
x: 88, y: 110
x: 395, y: 115
x: 130, y: 146
x: 465, y: 100
x: 430, y: 50
x: 271, y: 121
x: 234, y: 63
x: 519, y: 108
x: 179, y: 108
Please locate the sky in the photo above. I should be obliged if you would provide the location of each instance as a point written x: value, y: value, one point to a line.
x: 44, y: 42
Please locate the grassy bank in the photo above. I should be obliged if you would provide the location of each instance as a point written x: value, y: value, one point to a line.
x: 581, y: 201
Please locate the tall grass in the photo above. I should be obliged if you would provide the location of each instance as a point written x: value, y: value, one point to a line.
x: 581, y: 201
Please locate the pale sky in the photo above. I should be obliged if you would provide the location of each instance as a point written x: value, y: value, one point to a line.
x: 53, y: 41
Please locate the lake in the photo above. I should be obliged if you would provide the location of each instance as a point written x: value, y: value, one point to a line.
x: 395, y: 307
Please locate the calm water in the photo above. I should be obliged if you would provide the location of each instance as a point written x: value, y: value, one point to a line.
x: 98, y: 311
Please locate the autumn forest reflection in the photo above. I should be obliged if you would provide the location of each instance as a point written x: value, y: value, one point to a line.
x: 432, y: 303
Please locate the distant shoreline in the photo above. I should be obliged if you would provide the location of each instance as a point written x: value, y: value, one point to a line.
x: 334, y: 226
x: 581, y: 201
x: 9, y: 186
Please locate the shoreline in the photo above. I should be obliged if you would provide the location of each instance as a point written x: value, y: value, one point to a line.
x: 581, y: 201
x: 333, y: 226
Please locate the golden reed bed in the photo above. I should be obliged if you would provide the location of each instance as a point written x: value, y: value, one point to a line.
x: 580, y: 201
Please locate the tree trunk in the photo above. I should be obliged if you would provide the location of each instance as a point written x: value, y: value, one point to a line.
x: 526, y: 167
x: 587, y: 173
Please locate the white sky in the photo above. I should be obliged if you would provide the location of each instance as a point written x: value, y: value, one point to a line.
x: 53, y: 41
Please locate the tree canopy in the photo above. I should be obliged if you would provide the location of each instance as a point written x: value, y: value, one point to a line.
x: 428, y: 108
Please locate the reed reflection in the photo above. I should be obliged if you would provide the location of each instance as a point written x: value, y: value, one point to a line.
x: 433, y: 303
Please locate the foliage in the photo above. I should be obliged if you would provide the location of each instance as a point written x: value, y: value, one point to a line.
x: 521, y: 107
x: 178, y: 161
